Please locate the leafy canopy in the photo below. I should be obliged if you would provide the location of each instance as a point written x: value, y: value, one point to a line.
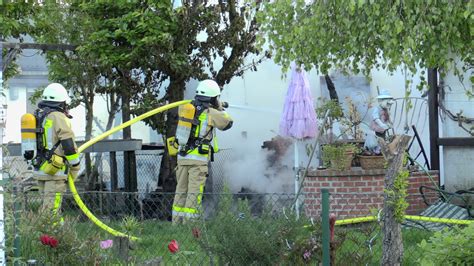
x: 14, y: 18
x: 358, y: 36
x: 14, y: 23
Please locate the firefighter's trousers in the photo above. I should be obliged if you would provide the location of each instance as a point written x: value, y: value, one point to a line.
x: 187, y: 201
x: 52, y: 191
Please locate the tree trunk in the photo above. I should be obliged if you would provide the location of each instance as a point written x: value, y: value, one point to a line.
x: 129, y: 158
x: 113, y: 107
x: 90, y: 183
x: 167, y: 177
x: 127, y: 132
x: 392, y: 253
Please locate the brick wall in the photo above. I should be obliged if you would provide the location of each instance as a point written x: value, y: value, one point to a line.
x: 357, y: 192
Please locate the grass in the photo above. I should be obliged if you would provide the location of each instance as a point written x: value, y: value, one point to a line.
x: 155, y: 236
x: 363, y: 245
x: 154, y: 239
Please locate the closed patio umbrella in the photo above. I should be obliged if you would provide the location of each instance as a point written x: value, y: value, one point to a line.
x: 298, y: 120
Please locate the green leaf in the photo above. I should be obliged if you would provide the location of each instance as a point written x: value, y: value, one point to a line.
x: 467, y: 13
x: 423, y: 243
x: 398, y: 26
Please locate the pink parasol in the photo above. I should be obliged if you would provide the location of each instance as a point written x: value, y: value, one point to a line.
x: 299, y: 117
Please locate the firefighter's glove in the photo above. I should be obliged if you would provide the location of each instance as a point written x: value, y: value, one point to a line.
x: 75, y: 170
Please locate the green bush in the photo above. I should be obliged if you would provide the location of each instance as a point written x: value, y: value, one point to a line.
x: 453, y: 246
x: 236, y: 237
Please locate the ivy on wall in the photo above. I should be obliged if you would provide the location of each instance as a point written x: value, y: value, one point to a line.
x: 398, y: 195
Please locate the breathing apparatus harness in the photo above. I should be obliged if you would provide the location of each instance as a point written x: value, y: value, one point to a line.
x: 204, y: 146
x: 44, y: 154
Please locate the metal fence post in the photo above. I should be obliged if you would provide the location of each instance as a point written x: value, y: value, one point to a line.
x: 16, y: 224
x: 325, y: 225
x: 2, y: 128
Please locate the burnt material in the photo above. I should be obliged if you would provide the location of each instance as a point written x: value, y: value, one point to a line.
x: 255, y: 200
x: 331, y: 88
x: 278, y: 146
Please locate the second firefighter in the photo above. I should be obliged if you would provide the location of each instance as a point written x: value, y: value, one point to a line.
x: 197, y: 145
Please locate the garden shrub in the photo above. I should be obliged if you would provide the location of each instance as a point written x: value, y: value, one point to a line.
x: 236, y: 237
x: 454, y: 246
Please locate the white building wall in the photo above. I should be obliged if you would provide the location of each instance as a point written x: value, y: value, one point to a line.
x: 257, y: 100
x: 16, y: 108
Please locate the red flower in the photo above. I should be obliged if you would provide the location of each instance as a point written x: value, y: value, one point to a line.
x: 53, y: 242
x: 44, y: 239
x: 173, y: 246
x: 49, y: 241
x: 196, y: 232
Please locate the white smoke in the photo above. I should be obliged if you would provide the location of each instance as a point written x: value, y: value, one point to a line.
x: 250, y: 169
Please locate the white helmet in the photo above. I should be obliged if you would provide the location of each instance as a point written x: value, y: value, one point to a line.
x: 385, y: 99
x: 384, y: 94
x: 55, y: 92
x: 208, y: 88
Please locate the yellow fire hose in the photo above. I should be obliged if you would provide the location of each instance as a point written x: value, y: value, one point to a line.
x: 356, y: 220
x: 408, y: 217
x: 102, y: 136
x: 114, y: 232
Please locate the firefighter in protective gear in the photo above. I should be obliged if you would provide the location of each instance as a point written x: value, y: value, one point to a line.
x: 192, y: 169
x: 380, y: 114
x: 380, y: 123
x: 57, y: 150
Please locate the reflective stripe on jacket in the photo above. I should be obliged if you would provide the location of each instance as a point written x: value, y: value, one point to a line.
x: 208, y: 120
x: 57, y: 128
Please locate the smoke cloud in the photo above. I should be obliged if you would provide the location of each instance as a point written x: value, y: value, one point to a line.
x: 251, y: 168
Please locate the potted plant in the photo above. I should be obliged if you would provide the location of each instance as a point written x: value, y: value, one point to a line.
x: 333, y: 110
x: 339, y: 155
x: 371, y: 160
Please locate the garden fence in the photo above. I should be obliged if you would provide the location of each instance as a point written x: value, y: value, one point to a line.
x: 234, y: 229
x: 147, y: 164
